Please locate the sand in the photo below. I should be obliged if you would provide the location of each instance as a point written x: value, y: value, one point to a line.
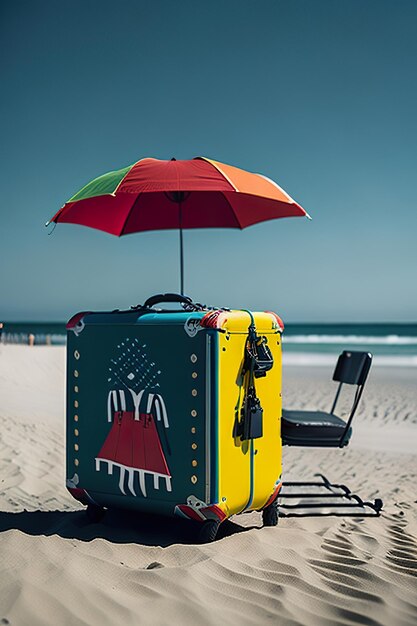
x: 57, y: 569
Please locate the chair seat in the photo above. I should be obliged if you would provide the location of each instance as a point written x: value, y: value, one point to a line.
x: 312, y: 428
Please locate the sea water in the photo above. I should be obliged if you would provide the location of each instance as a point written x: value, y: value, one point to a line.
x: 304, y: 344
x: 391, y: 344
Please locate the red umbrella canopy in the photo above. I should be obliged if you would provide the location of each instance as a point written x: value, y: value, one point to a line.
x: 155, y: 194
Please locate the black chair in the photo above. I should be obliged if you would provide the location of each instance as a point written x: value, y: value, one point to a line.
x: 321, y: 429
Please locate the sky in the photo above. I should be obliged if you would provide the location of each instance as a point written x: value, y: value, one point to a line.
x: 320, y: 96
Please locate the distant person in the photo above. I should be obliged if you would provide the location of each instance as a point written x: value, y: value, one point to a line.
x: 1, y: 330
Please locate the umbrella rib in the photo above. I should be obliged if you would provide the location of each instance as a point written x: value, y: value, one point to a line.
x: 218, y: 168
x: 239, y: 225
x: 129, y: 214
x: 127, y: 174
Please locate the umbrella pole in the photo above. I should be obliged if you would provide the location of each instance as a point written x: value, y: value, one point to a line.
x: 181, y: 251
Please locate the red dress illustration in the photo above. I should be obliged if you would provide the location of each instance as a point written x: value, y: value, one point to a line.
x: 133, y: 446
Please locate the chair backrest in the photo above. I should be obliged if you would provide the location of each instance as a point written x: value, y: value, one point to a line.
x: 352, y: 367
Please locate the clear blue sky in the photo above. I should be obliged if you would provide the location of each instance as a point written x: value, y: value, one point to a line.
x: 319, y: 95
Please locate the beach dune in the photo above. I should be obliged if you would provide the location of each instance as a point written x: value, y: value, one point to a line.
x: 55, y: 568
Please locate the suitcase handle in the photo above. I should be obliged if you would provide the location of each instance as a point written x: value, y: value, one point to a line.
x: 170, y: 297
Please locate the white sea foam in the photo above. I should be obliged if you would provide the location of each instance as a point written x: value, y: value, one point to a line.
x: 318, y: 358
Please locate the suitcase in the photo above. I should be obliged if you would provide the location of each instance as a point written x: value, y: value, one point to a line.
x: 175, y: 411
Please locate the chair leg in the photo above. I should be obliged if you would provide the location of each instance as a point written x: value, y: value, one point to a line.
x: 348, y: 501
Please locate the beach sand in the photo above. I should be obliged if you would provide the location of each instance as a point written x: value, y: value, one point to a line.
x: 57, y: 569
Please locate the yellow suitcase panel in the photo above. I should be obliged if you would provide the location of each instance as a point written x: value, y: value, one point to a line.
x: 248, y: 471
x: 267, y: 453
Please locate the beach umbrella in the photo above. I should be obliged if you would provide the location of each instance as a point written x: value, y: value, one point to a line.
x: 155, y: 194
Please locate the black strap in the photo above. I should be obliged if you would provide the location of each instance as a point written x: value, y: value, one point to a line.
x: 251, y: 404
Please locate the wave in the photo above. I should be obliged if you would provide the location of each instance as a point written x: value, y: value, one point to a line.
x: 387, y: 340
x: 318, y: 358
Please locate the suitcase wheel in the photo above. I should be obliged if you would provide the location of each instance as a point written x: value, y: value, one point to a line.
x: 95, y: 513
x: 208, y: 531
x: 270, y: 514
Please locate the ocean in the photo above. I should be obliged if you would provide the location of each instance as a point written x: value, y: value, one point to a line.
x: 303, y: 344
x: 319, y: 344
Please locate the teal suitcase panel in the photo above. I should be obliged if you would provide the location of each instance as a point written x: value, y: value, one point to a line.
x: 137, y: 399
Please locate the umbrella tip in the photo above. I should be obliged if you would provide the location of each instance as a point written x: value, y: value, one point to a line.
x: 308, y: 216
x: 47, y: 223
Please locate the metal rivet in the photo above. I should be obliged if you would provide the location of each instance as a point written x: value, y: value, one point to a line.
x: 194, y: 479
x: 194, y: 374
x: 76, y: 432
x: 76, y: 462
x: 194, y: 446
x: 75, y: 418
x: 224, y: 349
x: 193, y: 358
x: 76, y: 389
x: 76, y: 446
x: 194, y: 463
x: 194, y: 413
x: 76, y: 373
x: 193, y: 429
x: 76, y: 404
x: 194, y: 392
x: 76, y: 354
